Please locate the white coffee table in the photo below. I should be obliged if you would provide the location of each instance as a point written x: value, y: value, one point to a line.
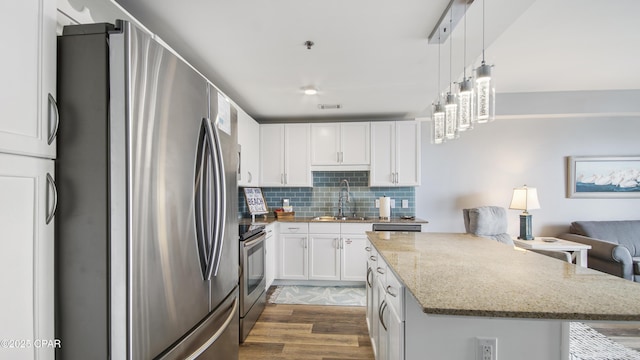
x: 578, y: 250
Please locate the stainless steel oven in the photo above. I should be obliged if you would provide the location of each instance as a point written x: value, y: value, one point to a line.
x: 252, y: 277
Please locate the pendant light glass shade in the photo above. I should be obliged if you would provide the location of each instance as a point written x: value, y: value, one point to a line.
x: 438, y: 123
x: 466, y: 101
x: 451, y: 117
x: 485, y: 94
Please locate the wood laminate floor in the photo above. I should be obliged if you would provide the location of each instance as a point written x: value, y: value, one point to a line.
x: 309, y: 332
x: 312, y: 332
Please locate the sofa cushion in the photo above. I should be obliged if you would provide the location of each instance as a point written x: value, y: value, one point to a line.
x: 623, y: 232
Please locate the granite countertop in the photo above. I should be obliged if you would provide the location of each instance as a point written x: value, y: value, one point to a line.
x: 268, y: 220
x: 461, y: 274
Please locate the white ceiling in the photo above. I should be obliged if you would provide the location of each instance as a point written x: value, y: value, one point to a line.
x: 373, y: 58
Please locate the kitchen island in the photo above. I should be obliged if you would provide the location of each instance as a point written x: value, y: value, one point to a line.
x: 458, y: 287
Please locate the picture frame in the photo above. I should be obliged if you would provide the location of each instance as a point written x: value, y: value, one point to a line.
x: 255, y: 201
x: 604, y: 177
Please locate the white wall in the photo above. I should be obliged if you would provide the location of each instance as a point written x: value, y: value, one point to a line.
x: 484, y: 165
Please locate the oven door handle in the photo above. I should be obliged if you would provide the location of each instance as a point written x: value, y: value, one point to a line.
x: 255, y: 242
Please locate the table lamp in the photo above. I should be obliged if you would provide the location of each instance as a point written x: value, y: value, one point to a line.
x: 525, y: 198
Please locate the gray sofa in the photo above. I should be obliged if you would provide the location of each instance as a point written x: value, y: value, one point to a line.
x: 615, y: 245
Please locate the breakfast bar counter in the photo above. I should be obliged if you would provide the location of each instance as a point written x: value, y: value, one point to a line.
x: 449, y: 293
x: 461, y: 274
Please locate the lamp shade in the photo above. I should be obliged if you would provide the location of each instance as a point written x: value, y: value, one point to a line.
x: 525, y: 198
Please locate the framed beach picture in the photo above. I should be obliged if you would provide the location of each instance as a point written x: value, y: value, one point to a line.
x: 603, y: 177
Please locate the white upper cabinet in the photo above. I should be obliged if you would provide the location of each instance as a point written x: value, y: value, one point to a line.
x: 28, y: 116
x: 395, y: 153
x: 249, y: 150
x: 284, y: 155
x: 341, y: 144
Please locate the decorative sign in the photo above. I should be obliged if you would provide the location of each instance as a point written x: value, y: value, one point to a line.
x: 255, y: 201
x: 224, y: 114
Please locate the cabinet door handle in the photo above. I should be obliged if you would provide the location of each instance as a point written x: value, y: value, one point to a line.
x: 338, y: 156
x: 250, y: 176
x: 239, y: 162
x: 369, y: 275
x: 305, y: 241
x: 389, y: 291
x: 53, y: 130
x: 286, y: 178
x: 281, y: 178
x: 383, y: 306
x: 51, y: 209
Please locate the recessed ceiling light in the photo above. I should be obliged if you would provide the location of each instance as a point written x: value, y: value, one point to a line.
x: 310, y: 90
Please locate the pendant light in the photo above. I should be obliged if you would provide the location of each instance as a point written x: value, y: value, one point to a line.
x: 465, y: 90
x: 438, y: 110
x: 451, y: 105
x: 485, y: 88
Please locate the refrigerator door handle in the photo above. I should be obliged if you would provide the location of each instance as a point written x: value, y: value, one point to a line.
x: 216, y: 335
x: 221, y: 203
x: 204, y: 160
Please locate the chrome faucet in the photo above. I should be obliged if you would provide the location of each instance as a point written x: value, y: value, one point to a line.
x: 344, y: 186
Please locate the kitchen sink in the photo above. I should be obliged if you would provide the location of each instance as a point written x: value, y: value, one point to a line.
x: 338, y: 218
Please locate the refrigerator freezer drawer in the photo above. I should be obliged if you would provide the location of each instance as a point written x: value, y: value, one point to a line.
x: 210, y: 339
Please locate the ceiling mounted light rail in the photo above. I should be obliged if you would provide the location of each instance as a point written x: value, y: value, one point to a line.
x: 455, y: 11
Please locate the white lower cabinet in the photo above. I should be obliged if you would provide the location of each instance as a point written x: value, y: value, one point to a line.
x: 353, y: 257
x: 324, y: 256
x: 323, y: 251
x: 385, y: 309
x: 395, y: 334
x: 27, y: 207
x: 370, y: 284
x: 292, y: 253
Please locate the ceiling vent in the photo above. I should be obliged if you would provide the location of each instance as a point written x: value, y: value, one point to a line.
x: 329, y: 106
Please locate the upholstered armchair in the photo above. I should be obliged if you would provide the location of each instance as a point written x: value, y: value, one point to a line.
x: 491, y: 222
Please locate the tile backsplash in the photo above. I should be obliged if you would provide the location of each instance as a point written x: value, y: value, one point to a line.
x: 322, y: 198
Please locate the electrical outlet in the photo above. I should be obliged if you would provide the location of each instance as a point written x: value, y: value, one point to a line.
x: 487, y: 348
x: 377, y: 203
x: 405, y: 204
x: 393, y: 203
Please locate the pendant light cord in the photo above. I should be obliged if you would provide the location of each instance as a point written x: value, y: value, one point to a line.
x: 450, y: 47
x: 438, y: 84
x: 483, y: 2
x: 464, y: 51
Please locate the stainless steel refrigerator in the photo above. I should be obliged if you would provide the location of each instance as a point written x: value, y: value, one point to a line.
x: 147, y: 235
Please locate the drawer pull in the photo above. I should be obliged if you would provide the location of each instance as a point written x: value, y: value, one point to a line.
x: 380, y: 271
x: 367, y: 248
x: 373, y: 258
x: 389, y: 291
